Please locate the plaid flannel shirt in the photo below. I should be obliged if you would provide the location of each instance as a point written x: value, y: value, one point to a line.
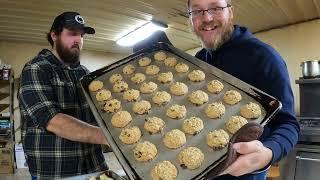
x: 48, y: 87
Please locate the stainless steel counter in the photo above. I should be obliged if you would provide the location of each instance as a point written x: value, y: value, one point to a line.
x: 303, y: 163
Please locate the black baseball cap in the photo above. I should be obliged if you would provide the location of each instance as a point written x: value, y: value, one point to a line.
x: 73, y: 20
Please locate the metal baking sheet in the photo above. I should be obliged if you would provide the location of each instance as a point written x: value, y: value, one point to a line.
x: 109, y: 174
x: 138, y: 170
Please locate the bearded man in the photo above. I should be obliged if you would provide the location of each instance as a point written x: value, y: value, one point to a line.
x: 59, y: 133
x: 235, y: 50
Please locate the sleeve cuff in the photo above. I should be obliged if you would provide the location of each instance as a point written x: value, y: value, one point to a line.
x: 44, y: 117
x: 276, y: 151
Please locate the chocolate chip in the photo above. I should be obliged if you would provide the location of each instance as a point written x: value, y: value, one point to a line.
x: 183, y: 166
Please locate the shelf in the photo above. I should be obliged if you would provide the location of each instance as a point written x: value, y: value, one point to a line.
x: 4, y: 95
x: 308, y: 81
x: 4, y: 83
x: 7, y: 108
x: 5, y: 140
x: 3, y: 107
x: 4, y: 117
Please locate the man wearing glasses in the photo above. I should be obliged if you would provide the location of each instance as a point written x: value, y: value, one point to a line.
x: 236, y: 51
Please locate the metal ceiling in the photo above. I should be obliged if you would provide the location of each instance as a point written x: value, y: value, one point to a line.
x: 28, y: 21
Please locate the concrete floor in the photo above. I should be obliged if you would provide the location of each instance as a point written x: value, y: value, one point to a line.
x: 23, y: 174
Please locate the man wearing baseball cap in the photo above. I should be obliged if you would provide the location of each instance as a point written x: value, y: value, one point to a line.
x: 59, y: 133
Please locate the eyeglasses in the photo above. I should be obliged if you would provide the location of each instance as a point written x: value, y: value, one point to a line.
x: 212, y: 11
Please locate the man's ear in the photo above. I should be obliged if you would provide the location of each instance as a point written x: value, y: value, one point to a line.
x: 231, y: 11
x: 53, y: 36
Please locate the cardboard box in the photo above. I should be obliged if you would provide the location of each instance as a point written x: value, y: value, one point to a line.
x: 6, y: 159
x: 20, y: 158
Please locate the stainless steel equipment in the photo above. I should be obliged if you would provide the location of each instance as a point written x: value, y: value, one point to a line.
x: 311, y: 69
x: 310, y: 129
x: 309, y: 90
x: 303, y: 163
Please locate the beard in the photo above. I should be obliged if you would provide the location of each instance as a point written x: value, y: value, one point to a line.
x: 218, y: 40
x: 67, y: 55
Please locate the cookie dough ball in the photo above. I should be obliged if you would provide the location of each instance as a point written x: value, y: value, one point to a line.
x: 114, y: 78
x: 161, y: 98
x: 160, y: 56
x: 176, y: 111
x: 112, y: 105
x: 250, y: 110
x: 192, y: 125
x: 120, y: 86
x: 130, y: 135
x: 165, y: 77
x: 170, y: 61
x: 196, y: 75
x: 138, y: 78
x: 145, y: 151
x: 145, y: 61
x: 154, y: 125
x: 152, y: 70
x: 148, y: 87
x: 103, y: 95
x: 218, y: 139
x: 232, y: 97
x: 198, y: 97
x: 174, y: 139
x: 95, y: 85
x: 128, y: 69
x: 179, y: 89
x: 121, y: 119
x: 141, y: 107
x: 215, y: 110
x: 182, y: 68
x: 191, y: 157
x: 131, y: 95
x: 164, y: 170
x: 215, y: 86
x: 235, y: 123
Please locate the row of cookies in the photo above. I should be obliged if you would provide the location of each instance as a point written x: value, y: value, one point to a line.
x: 154, y: 69
x: 178, y: 88
x: 213, y: 110
x: 152, y: 125
x: 119, y: 85
x: 165, y: 77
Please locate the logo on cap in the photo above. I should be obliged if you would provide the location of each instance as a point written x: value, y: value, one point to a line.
x: 79, y: 19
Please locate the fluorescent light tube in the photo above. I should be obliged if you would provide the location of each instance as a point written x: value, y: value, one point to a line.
x: 141, y: 33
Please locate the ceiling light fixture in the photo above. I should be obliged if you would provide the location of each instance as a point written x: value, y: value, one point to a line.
x: 141, y: 33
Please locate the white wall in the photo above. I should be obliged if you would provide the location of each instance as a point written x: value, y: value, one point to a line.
x: 296, y: 43
x: 17, y: 54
